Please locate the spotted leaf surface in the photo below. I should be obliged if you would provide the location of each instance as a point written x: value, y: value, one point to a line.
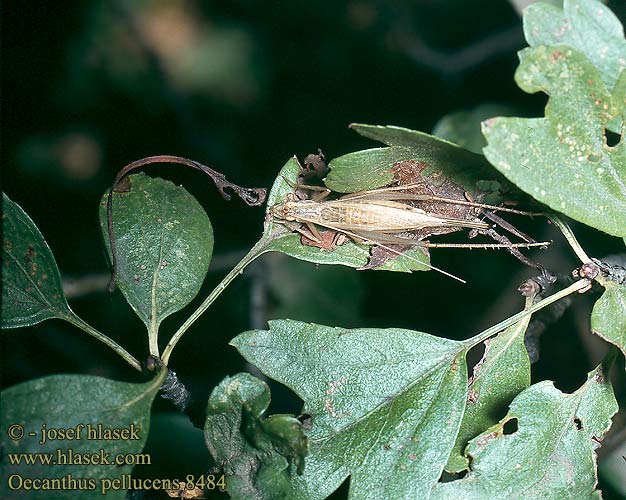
x: 164, y: 245
x: 564, y: 159
x: 379, y: 399
x: 31, y: 285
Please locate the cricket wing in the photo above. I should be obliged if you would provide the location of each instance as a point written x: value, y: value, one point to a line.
x: 401, y: 217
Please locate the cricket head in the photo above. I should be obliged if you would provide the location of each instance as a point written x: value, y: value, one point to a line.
x: 289, y: 210
x: 284, y: 211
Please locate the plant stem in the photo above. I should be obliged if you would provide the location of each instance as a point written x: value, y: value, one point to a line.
x: 129, y: 358
x: 153, y: 340
x: 258, y: 249
x: 569, y: 236
x: 484, y: 335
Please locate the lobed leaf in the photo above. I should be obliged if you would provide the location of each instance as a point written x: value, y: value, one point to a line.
x: 501, y: 374
x: 31, y: 284
x: 380, y: 400
x: 255, y: 453
x: 563, y: 160
x: 164, y: 245
x: 588, y: 26
x: 74, y: 402
x: 550, y: 455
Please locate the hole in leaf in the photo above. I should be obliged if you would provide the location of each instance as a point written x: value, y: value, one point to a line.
x: 579, y: 424
x: 475, y: 354
x: 448, y: 477
x: 509, y: 427
x: 611, y: 138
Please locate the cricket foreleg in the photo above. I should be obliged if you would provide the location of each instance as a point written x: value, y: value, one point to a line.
x: 323, y: 191
x: 312, y: 234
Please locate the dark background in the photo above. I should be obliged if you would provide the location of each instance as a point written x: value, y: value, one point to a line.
x: 88, y: 87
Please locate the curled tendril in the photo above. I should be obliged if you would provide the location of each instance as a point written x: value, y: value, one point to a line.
x: 250, y: 196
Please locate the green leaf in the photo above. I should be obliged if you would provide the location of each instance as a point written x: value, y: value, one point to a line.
x: 502, y: 373
x: 79, y: 403
x: 380, y: 400
x: 31, y: 285
x: 349, y: 254
x: 608, y: 318
x: 588, y: 26
x: 563, y: 160
x: 164, y: 245
x: 255, y: 453
x: 463, y: 127
x: 550, y: 455
x: 367, y: 169
x: 373, y: 168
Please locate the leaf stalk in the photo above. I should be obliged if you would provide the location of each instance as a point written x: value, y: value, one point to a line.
x: 80, y: 323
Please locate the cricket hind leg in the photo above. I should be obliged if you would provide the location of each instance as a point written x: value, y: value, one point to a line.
x: 546, y: 275
x: 508, y: 226
x: 510, y: 247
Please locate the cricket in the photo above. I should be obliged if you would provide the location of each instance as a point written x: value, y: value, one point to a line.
x: 379, y: 218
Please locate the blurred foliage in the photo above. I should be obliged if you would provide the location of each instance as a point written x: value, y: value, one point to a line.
x: 91, y: 86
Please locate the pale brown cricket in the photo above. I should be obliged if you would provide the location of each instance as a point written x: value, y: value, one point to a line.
x: 374, y: 218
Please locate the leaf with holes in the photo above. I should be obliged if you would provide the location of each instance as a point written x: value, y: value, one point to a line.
x: 255, y: 453
x: 563, y: 160
x: 164, y: 244
x: 380, y: 400
x: 501, y: 374
x: 608, y: 318
x: 552, y: 452
x: 31, y: 285
x: 83, y: 404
